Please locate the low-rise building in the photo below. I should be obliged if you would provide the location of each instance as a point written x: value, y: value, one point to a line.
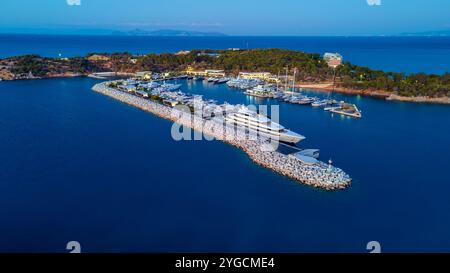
x: 333, y: 59
x: 207, y: 72
x: 215, y: 73
x: 256, y: 75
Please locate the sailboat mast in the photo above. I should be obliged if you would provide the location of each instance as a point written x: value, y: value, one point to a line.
x: 286, y: 84
x: 293, y: 80
x: 278, y: 80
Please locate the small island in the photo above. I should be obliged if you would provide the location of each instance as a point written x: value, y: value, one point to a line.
x: 299, y: 69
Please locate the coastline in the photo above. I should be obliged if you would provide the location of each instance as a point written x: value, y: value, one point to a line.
x: 445, y: 100
x: 328, y: 87
x: 380, y: 94
x: 252, y: 63
x: 74, y: 75
x: 320, y: 175
x: 320, y: 87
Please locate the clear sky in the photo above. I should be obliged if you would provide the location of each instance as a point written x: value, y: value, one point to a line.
x: 233, y: 17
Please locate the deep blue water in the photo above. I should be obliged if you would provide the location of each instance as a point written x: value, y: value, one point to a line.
x: 400, y: 54
x: 75, y: 165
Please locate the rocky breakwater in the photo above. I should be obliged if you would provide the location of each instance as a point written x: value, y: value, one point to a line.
x: 319, y: 175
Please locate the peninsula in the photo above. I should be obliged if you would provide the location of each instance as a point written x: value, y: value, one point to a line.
x: 259, y: 148
x: 302, y: 69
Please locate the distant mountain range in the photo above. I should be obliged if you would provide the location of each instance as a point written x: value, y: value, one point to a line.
x: 168, y: 33
x: 108, y: 32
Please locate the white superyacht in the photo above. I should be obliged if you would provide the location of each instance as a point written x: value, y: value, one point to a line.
x: 262, y: 125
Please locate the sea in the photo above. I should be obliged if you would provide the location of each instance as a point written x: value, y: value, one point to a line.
x: 78, y: 166
x: 398, y: 54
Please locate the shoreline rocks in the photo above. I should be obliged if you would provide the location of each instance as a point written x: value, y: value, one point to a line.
x: 318, y: 175
x: 326, y: 87
x: 444, y: 100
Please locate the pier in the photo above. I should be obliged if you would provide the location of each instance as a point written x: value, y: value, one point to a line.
x: 319, y: 174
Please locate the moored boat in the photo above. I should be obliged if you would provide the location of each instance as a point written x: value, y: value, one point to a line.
x: 212, y: 80
x: 320, y: 103
x: 222, y: 80
x: 305, y: 101
x: 261, y: 125
x: 260, y: 92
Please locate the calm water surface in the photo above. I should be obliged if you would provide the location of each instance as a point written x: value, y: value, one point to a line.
x: 75, y: 165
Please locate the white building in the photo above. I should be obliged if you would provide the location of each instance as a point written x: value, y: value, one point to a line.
x: 207, y: 72
x: 265, y: 76
x: 333, y: 59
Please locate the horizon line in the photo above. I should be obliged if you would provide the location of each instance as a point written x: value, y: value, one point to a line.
x: 227, y: 35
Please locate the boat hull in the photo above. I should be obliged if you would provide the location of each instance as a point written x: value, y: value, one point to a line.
x: 291, y: 138
x: 287, y: 137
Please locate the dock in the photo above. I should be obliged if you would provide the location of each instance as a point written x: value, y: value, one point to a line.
x: 350, y: 110
x: 316, y: 174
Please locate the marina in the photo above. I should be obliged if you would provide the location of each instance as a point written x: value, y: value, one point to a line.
x: 251, y: 87
x: 261, y: 89
x: 304, y: 169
